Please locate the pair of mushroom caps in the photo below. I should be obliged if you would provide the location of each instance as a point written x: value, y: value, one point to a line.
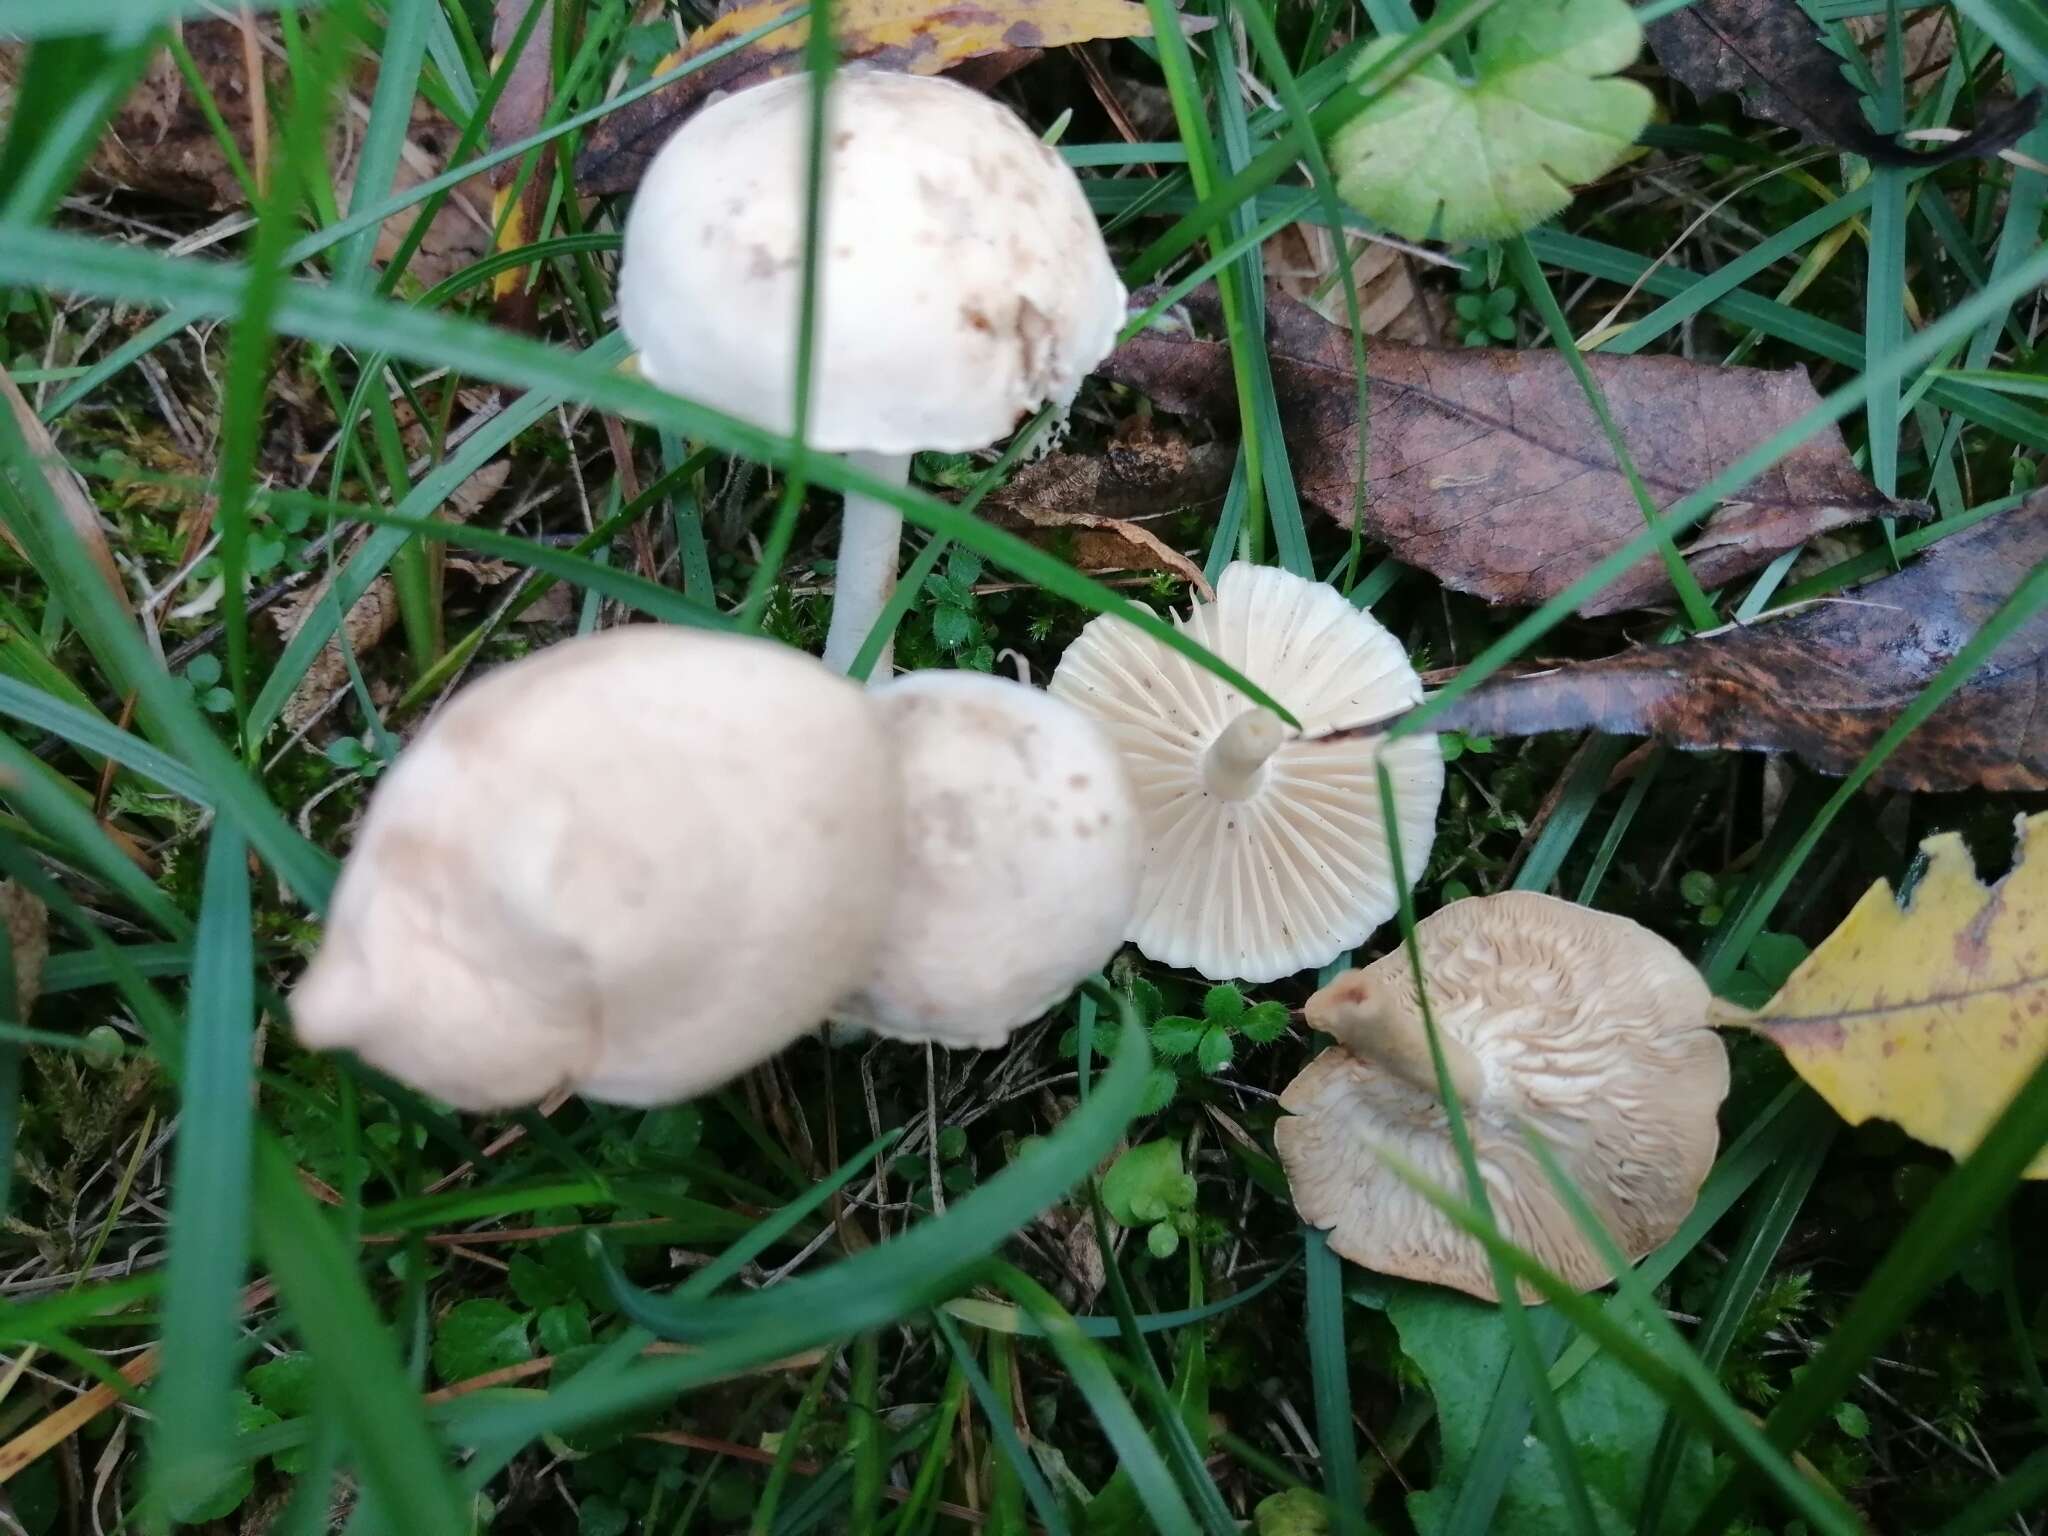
x: 641, y: 862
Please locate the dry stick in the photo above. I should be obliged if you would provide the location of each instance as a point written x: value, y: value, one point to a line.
x: 259, y: 100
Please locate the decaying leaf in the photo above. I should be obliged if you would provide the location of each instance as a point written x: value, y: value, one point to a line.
x: 1826, y: 681
x: 919, y: 37
x: 1768, y: 53
x: 28, y: 938
x: 1498, y: 148
x: 1096, y: 502
x: 1489, y: 469
x: 521, y: 109
x: 368, y: 621
x: 1301, y: 262
x: 1933, y: 1014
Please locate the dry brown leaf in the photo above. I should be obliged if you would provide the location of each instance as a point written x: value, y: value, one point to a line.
x: 1826, y: 681
x: 1302, y: 263
x: 519, y: 113
x: 369, y: 620
x: 1770, y: 54
x: 1489, y: 469
x: 28, y: 939
x: 919, y: 37
x: 1093, y: 501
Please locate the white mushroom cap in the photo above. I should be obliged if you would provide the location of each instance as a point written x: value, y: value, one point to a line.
x: 963, y: 283
x: 1266, y: 854
x: 1581, y: 1025
x: 1019, y: 860
x: 634, y: 864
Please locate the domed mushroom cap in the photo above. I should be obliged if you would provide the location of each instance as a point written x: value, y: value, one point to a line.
x: 615, y: 866
x: 963, y: 282
x: 1582, y: 1025
x: 1018, y: 863
x: 1265, y: 853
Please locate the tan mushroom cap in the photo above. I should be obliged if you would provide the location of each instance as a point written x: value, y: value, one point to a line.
x: 1266, y: 854
x: 1581, y: 1025
x: 615, y: 866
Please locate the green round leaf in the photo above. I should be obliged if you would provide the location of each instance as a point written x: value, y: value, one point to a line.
x: 1501, y: 154
x: 1162, y: 1241
x: 479, y: 1336
x: 1139, y: 1185
x: 1214, y: 1053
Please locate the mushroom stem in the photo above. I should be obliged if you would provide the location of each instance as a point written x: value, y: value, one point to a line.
x: 1234, y: 761
x: 1350, y: 1012
x: 870, y: 536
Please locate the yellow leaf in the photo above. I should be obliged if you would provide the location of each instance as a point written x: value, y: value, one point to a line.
x: 918, y: 37
x: 1933, y: 1014
x: 921, y: 37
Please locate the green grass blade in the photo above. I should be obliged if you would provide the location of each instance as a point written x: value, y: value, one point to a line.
x: 2019, y: 27
x: 68, y: 88
x: 346, y: 319
x: 192, y: 1405
x: 2021, y: 1489
x: 868, y: 1290
x: 1529, y: 1358
x: 996, y: 1411
x: 1794, y: 1486
x: 1330, y: 1374
x: 1699, y: 612
x: 395, y: 1454
x: 1183, y: 1457
x: 1770, y: 1219
x: 251, y: 339
x: 400, y: 56
x: 92, y: 734
x: 1957, y: 1209
x: 62, y: 812
x: 1136, y: 1456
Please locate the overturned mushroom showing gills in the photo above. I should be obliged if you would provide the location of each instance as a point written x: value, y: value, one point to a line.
x: 962, y: 284
x: 1018, y: 865
x: 1265, y: 853
x: 1579, y: 1025
x: 634, y: 864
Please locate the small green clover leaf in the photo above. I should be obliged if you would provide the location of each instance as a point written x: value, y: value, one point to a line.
x: 202, y: 675
x: 1147, y: 1187
x: 1499, y: 154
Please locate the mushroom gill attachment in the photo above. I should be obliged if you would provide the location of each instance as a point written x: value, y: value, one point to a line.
x: 1580, y: 1025
x: 612, y: 866
x: 1265, y: 853
x: 1018, y: 863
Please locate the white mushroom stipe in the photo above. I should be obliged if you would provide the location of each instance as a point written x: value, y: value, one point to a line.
x: 1018, y: 863
x: 1266, y: 853
x: 962, y: 283
x: 1234, y: 763
x: 586, y: 871
x: 870, y: 536
x: 1578, y: 1025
